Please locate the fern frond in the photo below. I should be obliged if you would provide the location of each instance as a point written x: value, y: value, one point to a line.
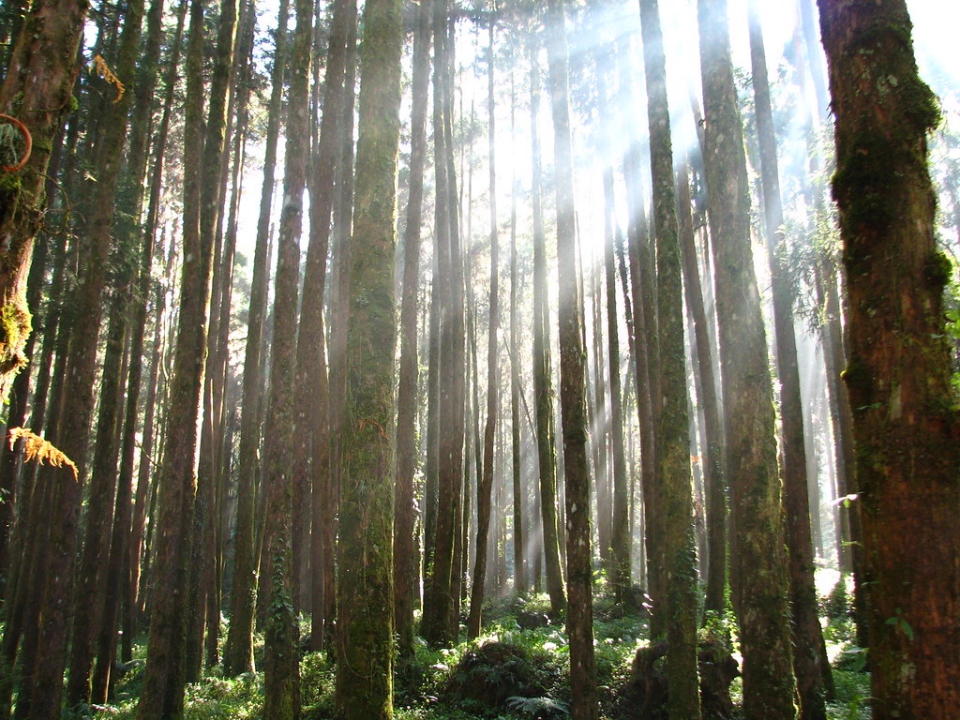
x: 36, y: 448
x: 104, y: 71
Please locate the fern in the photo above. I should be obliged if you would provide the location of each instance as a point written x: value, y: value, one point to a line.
x: 36, y: 448
x: 539, y: 707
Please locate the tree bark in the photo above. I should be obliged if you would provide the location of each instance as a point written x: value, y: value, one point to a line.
x: 898, y: 372
x: 758, y: 564
x: 810, y: 652
x: 365, y: 587
x: 542, y: 365
x: 673, y: 440
x: 583, y: 705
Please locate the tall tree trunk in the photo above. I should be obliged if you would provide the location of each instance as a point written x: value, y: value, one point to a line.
x: 485, y: 481
x: 673, y: 440
x: 810, y: 652
x: 437, y: 613
x: 542, y: 365
x: 898, y: 373
x: 365, y: 588
x: 74, y: 429
x: 238, y: 652
x: 758, y: 565
x: 521, y: 532
x: 405, y: 573
x: 583, y: 705
x: 163, y: 676
x: 312, y: 459
x: 712, y: 452
x: 281, y: 661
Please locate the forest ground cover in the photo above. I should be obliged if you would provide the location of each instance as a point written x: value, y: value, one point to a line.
x: 427, y: 686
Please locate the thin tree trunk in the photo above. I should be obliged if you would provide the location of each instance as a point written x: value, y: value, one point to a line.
x: 404, y: 540
x: 810, y: 652
x: 583, y: 705
x: 485, y: 481
x: 238, y: 652
x: 542, y: 366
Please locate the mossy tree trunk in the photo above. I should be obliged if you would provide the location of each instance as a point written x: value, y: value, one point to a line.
x: 673, y: 441
x: 898, y: 373
x: 365, y: 587
x: 758, y: 561
x: 583, y: 680
x: 438, y: 621
x: 542, y: 364
x: 37, y: 89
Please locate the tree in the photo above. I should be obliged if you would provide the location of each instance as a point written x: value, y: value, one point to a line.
x: 485, y: 484
x: 673, y: 441
x: 542, y: 364
x: 810, y: 652
x: 238, y: 652
x: 365, y: 550
x: 757, y: 558
x: 405, y: 572
x: 281, y: 661
x: 906, y: 424
x: 163, y: 675
x: 572, y: 392
x: 38, y: 87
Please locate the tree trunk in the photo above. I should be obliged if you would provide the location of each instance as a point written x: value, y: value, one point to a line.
x: 673, y: 440
x: 898, y: 372
x: 405, y: 573
x: 485, y: 484
x: 238, y: 652
x: 712, y: 452
x: 542, y: 366
x: 365, y: 587
x: 37, y: 89
x: 163, y: 676
x: 758, y: 565
x: 810, y: 652
x: 583, y: 705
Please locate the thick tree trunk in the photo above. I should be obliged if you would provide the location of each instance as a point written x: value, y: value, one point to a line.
x: 37, y: 89
x: 281, y: 658
x: 898, y: 372
x: 365, y: 588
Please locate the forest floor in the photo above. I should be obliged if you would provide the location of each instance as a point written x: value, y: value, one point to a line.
x: 517, y: 670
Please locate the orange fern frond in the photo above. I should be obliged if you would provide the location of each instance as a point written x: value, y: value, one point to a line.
x: 104, y: 71
x: 36, y: 448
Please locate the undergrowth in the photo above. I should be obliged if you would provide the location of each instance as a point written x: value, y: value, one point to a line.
x: 423, y: 684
